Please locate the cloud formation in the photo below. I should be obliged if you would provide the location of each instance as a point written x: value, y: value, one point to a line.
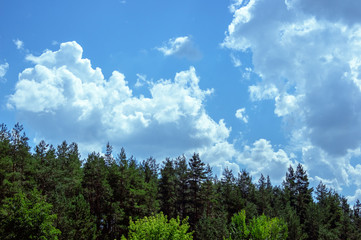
x: 262, y: 158
x: 63, y: 94
x: 241, y: 115
x: 307, y: 55
x: 182, y: 47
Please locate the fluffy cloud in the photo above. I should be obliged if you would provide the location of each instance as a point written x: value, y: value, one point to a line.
x: 240, y: 114
x: 304, y: 62
x: 182, y: 47
x: 262, y: 158
x: 3, y: 69
x: 307, y: 55
x: 63, y: 97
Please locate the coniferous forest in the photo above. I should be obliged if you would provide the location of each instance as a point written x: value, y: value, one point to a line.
x: 49, y: 192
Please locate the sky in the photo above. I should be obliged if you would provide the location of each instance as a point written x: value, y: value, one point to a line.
x: 248, y: 84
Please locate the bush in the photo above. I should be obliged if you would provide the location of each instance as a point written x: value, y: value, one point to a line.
x: 158, y: 227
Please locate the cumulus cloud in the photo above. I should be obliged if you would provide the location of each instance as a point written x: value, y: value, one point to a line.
x: 19, y: 44
x: 63, y: 97
x: 182, y: 47
x: 3, y: 69
x: 262, y: 158
x: 307, y: 56
x: 241, y: 115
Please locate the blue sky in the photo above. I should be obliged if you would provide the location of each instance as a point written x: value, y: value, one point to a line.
x: 255, y: 85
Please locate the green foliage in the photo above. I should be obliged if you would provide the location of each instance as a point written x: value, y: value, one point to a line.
x: 212, y: 227
x: 27, y: 217
x: 259, y: 228
x: 94, y: 199
x: 158, y: 228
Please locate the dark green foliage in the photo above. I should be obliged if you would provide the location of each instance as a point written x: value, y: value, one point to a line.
x: 95, y: 198
x: 167, y: 189
x: 197, y: 175
x: 97, y: 191
x: 212, y: 226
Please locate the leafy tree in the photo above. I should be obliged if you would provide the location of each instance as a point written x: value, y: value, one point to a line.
x: 27, y: 217
x: 158, y: 228
x: 258, y: 228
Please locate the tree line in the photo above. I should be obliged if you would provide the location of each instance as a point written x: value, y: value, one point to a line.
x: 51, y: 193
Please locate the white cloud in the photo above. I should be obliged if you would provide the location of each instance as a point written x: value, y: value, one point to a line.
x: 182, y: 47
x: 285, y: 105
x: 3, y: 69
x: 262, y: 158
x: 241, y: 114
x: 260, y: 92
x: 19, y: 44
x: 63, y: 97
x: 307, y: 55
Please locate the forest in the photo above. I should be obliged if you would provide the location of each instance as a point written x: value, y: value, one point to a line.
x: 52, y: 193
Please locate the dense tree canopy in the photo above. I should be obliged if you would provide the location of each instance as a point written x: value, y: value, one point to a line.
x: 51, y: 193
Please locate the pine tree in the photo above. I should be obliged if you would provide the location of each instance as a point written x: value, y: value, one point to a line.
x: 303, y: 193
x: 167, y: 188
x: 289, y: 186
x: 247, y: 192
x: 97, y: 190
x: 197, y: 175
x: 231, y: 200
x: 182, y: 187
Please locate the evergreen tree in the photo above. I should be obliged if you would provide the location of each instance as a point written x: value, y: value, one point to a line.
x: 231, y: 199
x: 289, y: 186
x: 97, y: 191
x: 167, y: 189
x: 303, y: 193
x: 6, y: 163
x: 264, y: 195
x: 182, y: 187
x: 247, y: 192
x: 197, y: 175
